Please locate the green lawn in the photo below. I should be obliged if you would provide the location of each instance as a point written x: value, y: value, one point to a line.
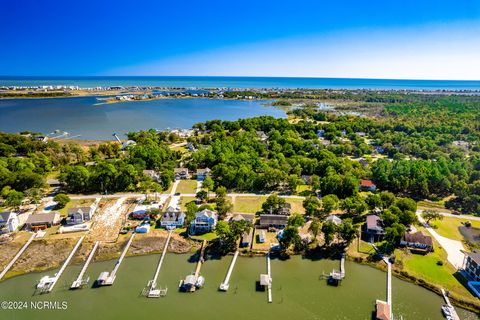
x: 297, y: 205
x: 248, y: 204
x: 184, y: 201
x: 448, y: 227
x: 207, y: 236
x: 425, y: 267
x: 187, y: 186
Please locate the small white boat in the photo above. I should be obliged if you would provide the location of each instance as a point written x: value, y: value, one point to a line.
x: 44, y: 282
x: 447, y: 312
x: 200, y: 282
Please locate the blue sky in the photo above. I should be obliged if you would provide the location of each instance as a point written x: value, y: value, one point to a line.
x: 370, y: 39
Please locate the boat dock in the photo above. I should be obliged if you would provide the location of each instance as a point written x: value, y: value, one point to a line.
x: 107, y: 279
x: 80, y: 281
x: 225, y: 284
x: 266, y: 279
x: 151, y: 290
x: 15, y: 258
x: 447, y: 309
x: 47, y: 283
x: 336, y: 276
x: 384, y: 308
x: 195, y: 281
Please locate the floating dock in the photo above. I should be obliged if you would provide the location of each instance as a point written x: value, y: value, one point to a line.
x: 151, y: 290
x: 80, y: 281
x: 107, y: 279
x: 47, y: 283
x: 447, y: 309
x: 19, y: 253
x: 225, y: 284
x: 194, y: 281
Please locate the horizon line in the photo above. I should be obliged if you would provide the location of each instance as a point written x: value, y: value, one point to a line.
x: 232, y: 76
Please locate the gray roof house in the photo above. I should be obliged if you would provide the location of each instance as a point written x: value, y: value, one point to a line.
x: 41, y: 221
x: 172, y: 217
x: 204, y: 221
x: 79, y: 215
x: 181, y: 173
x: 273, y: 221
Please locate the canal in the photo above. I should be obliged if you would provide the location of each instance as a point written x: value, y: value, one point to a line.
x: 298, y: 292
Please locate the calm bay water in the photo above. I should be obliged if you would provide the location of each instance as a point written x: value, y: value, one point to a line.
x: 298, y: 293
x: 83, y: 119
x: 243, y: 82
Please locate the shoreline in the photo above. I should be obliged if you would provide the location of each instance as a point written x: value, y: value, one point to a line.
x: 470, y: 305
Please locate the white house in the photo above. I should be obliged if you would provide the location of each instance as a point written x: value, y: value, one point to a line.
x: 204, y: 221
x: 8, y: 221
x: 172, y: 217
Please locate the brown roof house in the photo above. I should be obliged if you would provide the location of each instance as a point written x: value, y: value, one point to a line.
x: 417, y: 242
x: 373, y: 229
x: 42, y: 221
x: 273, y: 221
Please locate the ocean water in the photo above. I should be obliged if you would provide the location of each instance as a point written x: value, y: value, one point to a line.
x: 84, y: 119
x: 244, y: 82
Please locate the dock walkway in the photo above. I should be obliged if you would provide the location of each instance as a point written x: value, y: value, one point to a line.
x: 15, y: 258
x: 269, y: 272
x: 151, y: 290
x: 49, y: 287
x: 80, y: 281
x: 448, y: 310
x: 225, y: 284
x: 106, y: 279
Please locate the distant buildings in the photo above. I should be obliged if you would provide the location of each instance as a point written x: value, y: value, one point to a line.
x: 203, y: 173
x: 205, y: 221
x: 181, y: 173
x: 367, y: 185
x: 152, y: 174
x: 8, y: 222
x: 334, y: 219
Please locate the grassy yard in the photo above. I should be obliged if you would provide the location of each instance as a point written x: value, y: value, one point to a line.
x: 270, y: 238
x: 425, y: 267
x: 187, y: 186
x: 207, y: 236
x: 184, y: 201
x: 248, y: 204
x: 297, y: 205
x: 448, y: 227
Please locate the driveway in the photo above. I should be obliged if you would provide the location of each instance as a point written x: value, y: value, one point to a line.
x: 453, y: 248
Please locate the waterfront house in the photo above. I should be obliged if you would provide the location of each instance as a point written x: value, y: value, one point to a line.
x: 172, y: 217
x: 367, y: 185
x: 41, y: 221
x: 471, y: 265
x: 152, y: 174
x: 8, y: 221
x: 417, y: 242
x: 181, y: 173
x: 79, y: 215
x: 273, y: 221
x: 203, y: 173
x: 373, y: 229
x: 205, y: 221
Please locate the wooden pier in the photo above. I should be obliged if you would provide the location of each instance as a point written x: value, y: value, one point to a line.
x: 447, y: 309
x: 151, y: 290
x: 107, y: 279
x: 384, y: 308
x: 266, y: 279
x: 47, y: 286
x: 15, y: 258
x: 80, y: 281
x: 225, y: 284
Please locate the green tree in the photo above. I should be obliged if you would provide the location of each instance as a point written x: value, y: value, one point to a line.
x: 314, y: 228
x: 14, y: 199
x: 329, y: 203
x: 347, y: 231
x: 312, y: 206
x: 192, y: 208
x: 61, y: 199
x: 223, y: 205
x: 296, y: 220
x: 272, y: 204
x: 290, y: 237
x: 202, y: 195
x: 329, y: 229
x: 354, y: 205
x: 431, y: 215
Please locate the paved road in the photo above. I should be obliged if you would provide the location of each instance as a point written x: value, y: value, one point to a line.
x: 460, y: 216
x: 453, y: 248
